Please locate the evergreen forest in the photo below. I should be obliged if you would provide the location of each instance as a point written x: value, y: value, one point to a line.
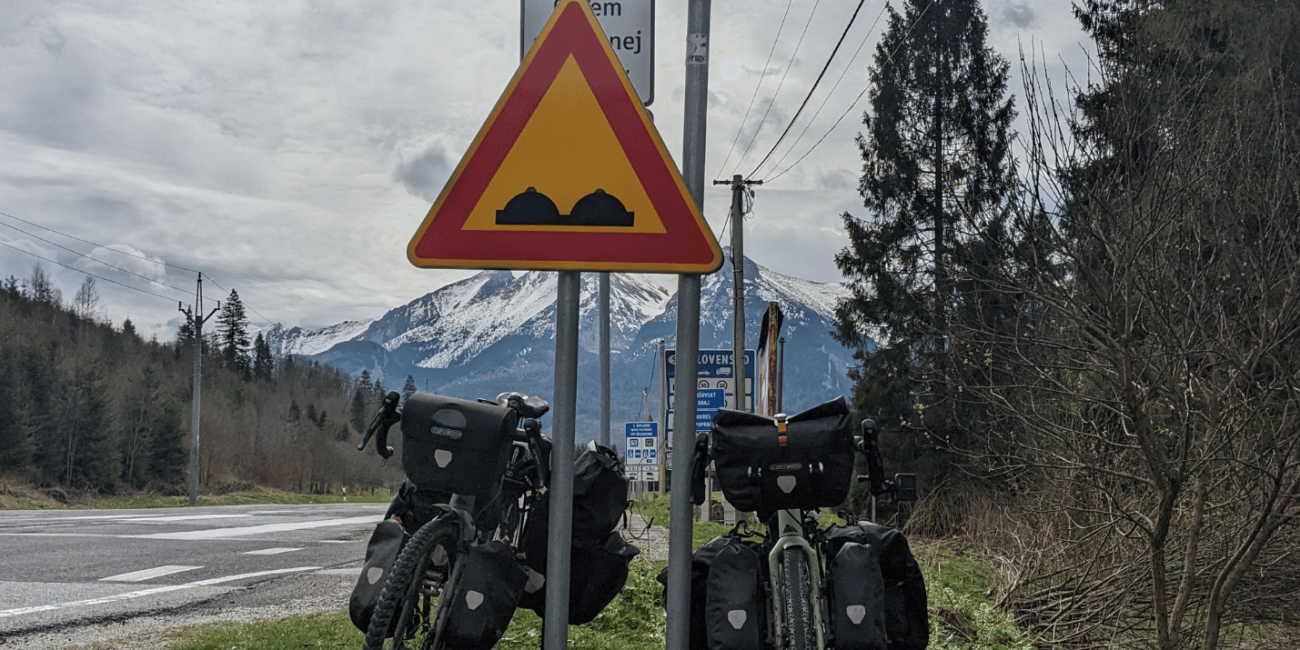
x: 91, y: 408
x: 1089, y: 332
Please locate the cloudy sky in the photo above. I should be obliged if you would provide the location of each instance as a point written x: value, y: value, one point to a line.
x: 289, y: 150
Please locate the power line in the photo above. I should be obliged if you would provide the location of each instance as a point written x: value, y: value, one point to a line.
x: 91, y: 243
x: 761, y: 75
x: 259, y: 315
x: 93, y: 259
x: 852, y: 18
x: 30, y: 223
x: 41, y: 257
x: 836, y: 85
x: 779, y: 85
x: 888, y: 58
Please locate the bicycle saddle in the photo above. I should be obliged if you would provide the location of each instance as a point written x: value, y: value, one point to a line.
x: 528, y: 406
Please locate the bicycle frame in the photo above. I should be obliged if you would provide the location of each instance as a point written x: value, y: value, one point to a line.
x: 789, y: 523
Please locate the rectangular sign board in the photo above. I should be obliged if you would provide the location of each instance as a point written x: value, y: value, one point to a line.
x: 641, y: 446
x: 628, y: 24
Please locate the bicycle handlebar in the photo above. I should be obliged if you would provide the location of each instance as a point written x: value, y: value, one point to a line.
x: 386, y: 417
x: 868, y: 445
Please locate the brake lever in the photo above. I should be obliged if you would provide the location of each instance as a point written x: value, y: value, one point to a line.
x: 386, y: 417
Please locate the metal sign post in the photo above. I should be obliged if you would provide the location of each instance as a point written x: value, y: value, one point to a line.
x: 563, y: 429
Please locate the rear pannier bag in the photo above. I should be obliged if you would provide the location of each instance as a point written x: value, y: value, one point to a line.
x: 454, y: 445
x: 483, y: 599
x: 598, y: 575
x: 381, y: 553
x: 906, y: 620
x: 809, y: 465
x: 701, y: 561
x: 856, y: 594
x: 599, y: 556
x: 733, y: 598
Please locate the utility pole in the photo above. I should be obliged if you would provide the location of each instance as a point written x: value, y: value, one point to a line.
x: 196, y: 327
x: 738, y: 188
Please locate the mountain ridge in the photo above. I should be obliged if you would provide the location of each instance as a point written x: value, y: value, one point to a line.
x: 495, y: 331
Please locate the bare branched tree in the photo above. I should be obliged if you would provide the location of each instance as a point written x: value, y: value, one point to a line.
x: 1160, y: 379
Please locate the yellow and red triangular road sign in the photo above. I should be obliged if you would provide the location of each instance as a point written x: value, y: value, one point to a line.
x: 568, y: 173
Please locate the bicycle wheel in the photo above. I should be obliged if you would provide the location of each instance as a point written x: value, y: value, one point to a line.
x: 402, y: 616
x: 797, y: 607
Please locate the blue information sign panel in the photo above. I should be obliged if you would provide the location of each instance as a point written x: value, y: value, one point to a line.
x: 641, y: 442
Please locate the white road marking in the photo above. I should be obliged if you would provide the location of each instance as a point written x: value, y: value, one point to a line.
x: 6, y: 613
x: 243, y: 531
x: 217, y: 581
x: 137, y: 576
x: 184, y: 517
x: 352, y: 573
x: 272, y: 551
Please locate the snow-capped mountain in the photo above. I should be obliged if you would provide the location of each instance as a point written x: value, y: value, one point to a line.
x: 494, y: 332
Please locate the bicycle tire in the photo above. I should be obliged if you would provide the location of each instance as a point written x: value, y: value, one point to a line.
x: 405, y: 595
x: 797, y: 596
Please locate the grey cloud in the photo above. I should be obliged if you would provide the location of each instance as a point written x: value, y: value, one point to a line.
x: 836, y: 180
x: 1019, y: 14
x: 424, y: 169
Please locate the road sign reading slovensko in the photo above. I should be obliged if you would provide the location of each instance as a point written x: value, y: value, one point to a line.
x: 568, y: 173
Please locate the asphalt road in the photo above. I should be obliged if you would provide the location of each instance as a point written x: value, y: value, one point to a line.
x: 61, y: 571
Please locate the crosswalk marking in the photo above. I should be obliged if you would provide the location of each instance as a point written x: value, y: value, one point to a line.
x: 6, y: 613
x: 243, y: 531
x: 146, y: 574
x: 272, y: 551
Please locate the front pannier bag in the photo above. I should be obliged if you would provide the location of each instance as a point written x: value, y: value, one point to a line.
x: 381, y: 553
x: 805, y: 462
x: 733, y: 598
x: 856, y: 593
x: 483, y: 600
x: 455, y: 445
x: 907, y: 620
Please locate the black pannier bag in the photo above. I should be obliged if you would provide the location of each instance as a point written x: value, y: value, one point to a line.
x: 734, y: 611
x: 855, y: 595
x: 483, y: 600
x: 599, y: 573
x: 455, y: 445
x: 907, y: 621
x: 701, y: 565
x: 599, y: 556
x: 809, y: 464
x: 381, y: 553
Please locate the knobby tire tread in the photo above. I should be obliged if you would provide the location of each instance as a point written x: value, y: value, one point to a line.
x: 798, y: 605
x: 398, y: 588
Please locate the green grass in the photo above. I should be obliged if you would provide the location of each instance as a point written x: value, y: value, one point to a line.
x: 961, y: 615
x: 332, y: 630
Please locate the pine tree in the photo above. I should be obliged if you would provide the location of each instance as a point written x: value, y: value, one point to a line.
x: 937, y: 175
x: 40, y: 287
x: 409, y: 388
x: 15, y: 445
x: 263, y: 362
x: 232, y: 335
